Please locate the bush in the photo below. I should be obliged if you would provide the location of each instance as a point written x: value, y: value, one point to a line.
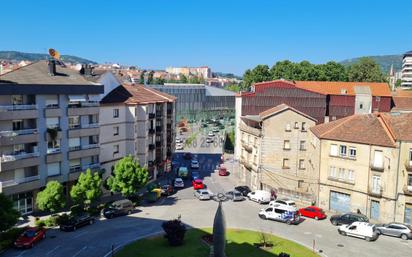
x: 40, y: 223
x: 175, y: 231
x: 8, y: 237
x: 76, y: 209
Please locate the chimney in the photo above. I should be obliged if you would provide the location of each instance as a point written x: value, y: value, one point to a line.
x: 52, y: 67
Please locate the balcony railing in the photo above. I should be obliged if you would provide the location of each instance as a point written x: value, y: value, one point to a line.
x: 74, y: 126
x: 74, y: 148
x: 76, y: 168
x: 14, y: 133
x: 18, y: 181
x: 377, y: 167
x: 246, y: 164
x: 92, y: 166
x: 53, y: 150
x: 17, y: 107
x: 15, y: 157
x: 90, y: 125
x: 83, y: 104
x: 408, y: 165
x: 89, y: 146
x: 407, y: 189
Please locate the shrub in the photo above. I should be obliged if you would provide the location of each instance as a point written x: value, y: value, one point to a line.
x: 40, y: 223
x: 175, y: 231
x: 8, y: 237
x: 76, y: 209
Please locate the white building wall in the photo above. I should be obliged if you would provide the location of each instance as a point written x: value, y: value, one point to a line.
x: 238, y: 114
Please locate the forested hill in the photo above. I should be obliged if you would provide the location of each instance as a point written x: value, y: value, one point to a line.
x: 21, y: 56
x: 385, y: 61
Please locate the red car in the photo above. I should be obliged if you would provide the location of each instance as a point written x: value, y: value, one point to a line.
x: 29, y: 237
x: 198, y: 184
x: 313, y: 212
x: 223, y: 171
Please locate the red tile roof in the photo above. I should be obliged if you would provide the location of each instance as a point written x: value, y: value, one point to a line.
x: 136, y: 94
x: 281, y: 108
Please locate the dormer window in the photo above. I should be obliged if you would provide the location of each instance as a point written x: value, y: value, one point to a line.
x: 343, y: 91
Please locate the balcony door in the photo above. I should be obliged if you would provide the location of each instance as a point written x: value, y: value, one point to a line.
x: 23, y: 202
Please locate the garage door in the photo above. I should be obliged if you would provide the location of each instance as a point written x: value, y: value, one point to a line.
x: 339, y: 202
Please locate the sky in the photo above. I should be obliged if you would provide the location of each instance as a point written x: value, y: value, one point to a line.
x: 226, y: 35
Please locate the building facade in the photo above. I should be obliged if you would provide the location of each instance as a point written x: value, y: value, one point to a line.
x: 48, y: 129
x: 363, y: 163
x: 407, y: 70
x: 137, y: 121
x: 274, y: 153
x: 203, y: 72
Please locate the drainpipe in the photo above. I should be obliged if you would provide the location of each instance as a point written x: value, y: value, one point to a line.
x: 369, y: 173
x: 397, y: 181
x: 319, y: 167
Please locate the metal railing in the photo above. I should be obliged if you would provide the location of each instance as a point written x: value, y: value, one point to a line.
x: 92, y: 166
x: 90, y: 125
x: 75, y: 168
x: 14, y: 157
x: 17, y: 107
x: 13, y: 133
x: 53, y: 150
x: 89, y: 146
x: 18, y: 181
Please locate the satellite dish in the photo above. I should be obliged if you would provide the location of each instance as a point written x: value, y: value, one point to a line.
x: 78, y: 67
x: 54, y: 53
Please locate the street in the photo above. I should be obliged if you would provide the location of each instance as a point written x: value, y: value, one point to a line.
x: 98, y: 239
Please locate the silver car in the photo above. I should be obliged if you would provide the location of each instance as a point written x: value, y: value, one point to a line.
x: 235, y: 195
x: 203, y: 194
x: 403, y: 231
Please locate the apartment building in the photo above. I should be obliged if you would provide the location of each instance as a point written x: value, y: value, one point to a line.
x: 407, y: 70
x: 364, y: 163
x: 137, y: 121
x: 48, y: 129
x: 274, y: 153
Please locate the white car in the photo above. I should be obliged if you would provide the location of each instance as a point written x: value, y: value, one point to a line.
x: 209, y: 140
x: 179, y: 146
x: 284, y: 203
x: 179, y: 183
x: 194, y: 164
x: 203, y: 194
x: 359, y: 229
x: 179, y: 140
x: 260, y: 196
x: 211, y: 134
x: 280, y: 214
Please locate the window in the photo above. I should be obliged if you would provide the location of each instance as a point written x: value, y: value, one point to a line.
x: 410, y: 155
x: 115, y: 149
x: 342, y: 150
x: 288, y: 127
x: 52, y: 123
x: 286, y: 145
x: 115, y: 131
x: 53, y: 146
x: 302, y: 145
x: 332, y: 170
x: 296, y: 125
x: 17, y: 99
x: 361, y: 106
x: 351, y: 175
x: 409, y: 181
x: 18, y: 125
x: 18, y: 148
x: 376, y: 184
x: 378, y: 159
x: 285, y: 163
x: 352, y: 152
x: 341, y: 173
x: 377, y: 98
x: 53, y: 169
x: 52, y: 101
x: 93, y: 140
x: 303, y: 126
x: 255, y: 159
x: 74, y: 122
x: 93, y: 118
x: 115, y: 113
x: 301, y: 164
x: 334, y: 150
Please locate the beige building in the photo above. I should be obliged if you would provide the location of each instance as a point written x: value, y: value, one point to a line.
x: 139, y: 121
x: 364, y: 163
x: 274, y: 153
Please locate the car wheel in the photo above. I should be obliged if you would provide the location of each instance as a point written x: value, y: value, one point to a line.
x: 368, y: 238
x: 334, y: 222
x: 404, y: 237
x: 129, y: 212
x: 91, y: 222
x: 343, y: 233
x: 316, y: 218
x: 288, y: 222
x: 379, y: 232
x: 111, y: 216
x: 262, y: 216
x: 259, y: 201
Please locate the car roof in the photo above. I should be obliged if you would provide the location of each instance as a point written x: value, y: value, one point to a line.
x: 121, y: 201
x: 198, y: 180
x: 179, y: 179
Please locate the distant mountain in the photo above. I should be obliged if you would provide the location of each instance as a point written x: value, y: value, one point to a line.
x: 21, y: 56
x: 385, y: 61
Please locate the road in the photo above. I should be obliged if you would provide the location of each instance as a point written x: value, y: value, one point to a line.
x: 97, y: 240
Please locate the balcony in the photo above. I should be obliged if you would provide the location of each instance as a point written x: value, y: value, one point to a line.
x: 152, y: 115
x: 20, y: 185
x: 151, y: 147
x: 246, y: 164
x: 92, y: 167
x: 83, y: 151
x: 84, y: 130
x: 18, y: 112
x: 408, y: 166
x: 159, y: 113
x: 151, y: 131
x: 84, y: 108
x: 53, y: 111
x: 17, y: 181
x: 158, y: 144
x: 20, y: 160
x: 375, y: 193
x: 407, y: 190
x: 247, y: 147
x: 158, y: 128
x: 377, y: 167
x: 18, y: 136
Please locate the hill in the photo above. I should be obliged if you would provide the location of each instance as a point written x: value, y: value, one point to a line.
x: 20, y: 56
x: 385, y: 61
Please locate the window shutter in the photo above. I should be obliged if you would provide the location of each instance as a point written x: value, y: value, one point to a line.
x: 378, y: 159
x: 334, y: 150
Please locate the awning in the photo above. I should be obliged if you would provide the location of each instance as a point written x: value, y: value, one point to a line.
x: 77, y: 98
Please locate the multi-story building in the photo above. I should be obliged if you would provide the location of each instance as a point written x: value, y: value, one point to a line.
x: 364, y: 163
x: 402, y: 100
x: 274, y: 153
x: 407, y: 70
x: 321, y: 100
x: 137, y: 121
x: 48, y: 129
x: 203, y: 72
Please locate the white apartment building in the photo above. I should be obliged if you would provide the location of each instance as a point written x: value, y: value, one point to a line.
x: 407, y: 70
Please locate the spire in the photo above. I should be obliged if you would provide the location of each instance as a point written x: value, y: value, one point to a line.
x: 391, y: 72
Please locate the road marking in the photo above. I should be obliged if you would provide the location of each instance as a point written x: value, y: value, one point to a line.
x: 307, y: 233
x: 79, y: 235
x: 21, y: 254
x: 84, y: 248
x: 54, y: 249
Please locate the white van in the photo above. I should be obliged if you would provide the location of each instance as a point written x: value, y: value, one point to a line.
x: 359, y: 229
x: 286, y: 204
x: 259, y: 196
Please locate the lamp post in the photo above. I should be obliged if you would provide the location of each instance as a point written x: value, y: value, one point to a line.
x: 219, y: 227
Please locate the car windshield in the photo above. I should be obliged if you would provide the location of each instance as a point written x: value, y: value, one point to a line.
x: 292, y: 204
x: 237, y: 194
x: 29, y: 233
x: 205, y: 193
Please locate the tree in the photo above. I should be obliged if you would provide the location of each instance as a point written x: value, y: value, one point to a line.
x: 8, y: 215
x: 233, y: 87
x: 365, y: 70
x: 150, y: 77
x: 332, y: 71
x: 128, y: 177
x: 258, y: 74
x: 51, y: 198
x: 398, y: 83
x: 159, y: 81
x: 183, y: 78
x: 87, y: 189
x: 141, y: 80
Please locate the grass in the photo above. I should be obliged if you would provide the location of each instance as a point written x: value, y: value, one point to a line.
x: 239, y: 244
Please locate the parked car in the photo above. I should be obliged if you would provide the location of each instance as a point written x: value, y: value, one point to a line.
x: 235, y: 195
x: 313, y: 212
x: 279, y: 214
x: 285, y: 203
x: 209, y: 140
x: 118, y: 208
x: 179, y: 146
x: 198, y: 184
x: 75, y: 222
x: 167, y: 190
x: 223, y: 171
x: 403, y: 231
x: 194, y: 164
x: 348, y: 218
x: 259, y: 196
x: 187, y: 156
x: 183, y: 172
x: 359, y: 229
x: 215, y: 130
x: 243, y: 189
x: 195, y: 175
x: 179, y: 183
x: 203, y: 194
x: 211, y: 134
x: 179, y: 140
x: 29, y: 237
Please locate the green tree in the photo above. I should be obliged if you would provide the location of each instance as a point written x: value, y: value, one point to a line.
x: 8, y: 215
x: 258, y: 74
x: 88, y: 188
x: 51, y: 198
x: 398, y: 83
x: 150, y: 77
x: 141, y: 80
x: 183, y: 78
x: 333, y: 71
x: 128, y: 176
x: 283, y: 70
x: 233, y: 87
x: 365, y: 70
x: 159, y: 81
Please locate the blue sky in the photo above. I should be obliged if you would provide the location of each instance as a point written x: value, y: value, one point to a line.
x: 228, y: 36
